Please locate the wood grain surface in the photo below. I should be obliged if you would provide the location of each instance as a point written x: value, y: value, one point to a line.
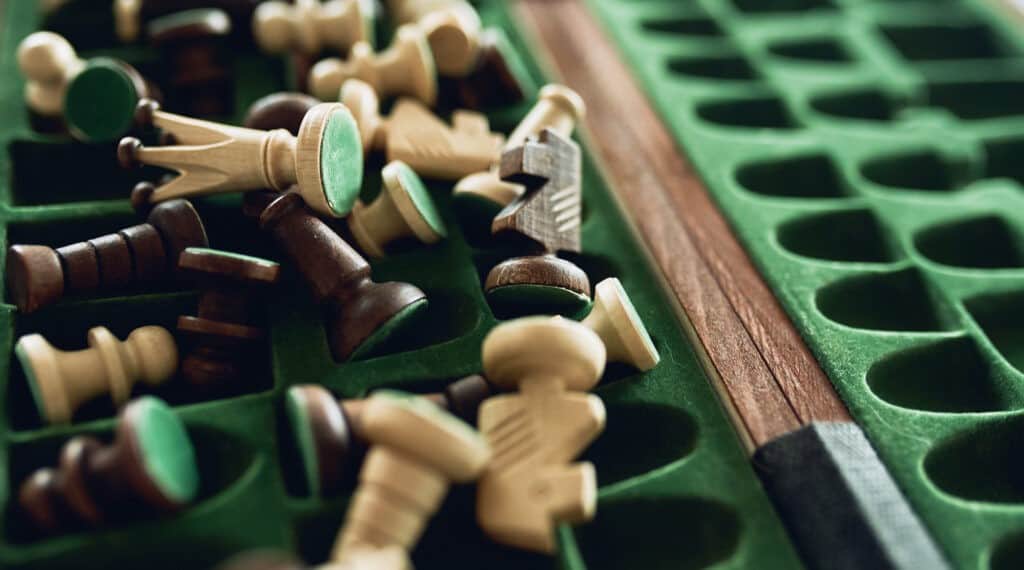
x: 764, y: 371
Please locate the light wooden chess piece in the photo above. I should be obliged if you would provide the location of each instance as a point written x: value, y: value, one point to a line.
x: 419, y: 138
x: 324, y: 162
x: 62, y: 381
x: 417, y: 450
x: 48, y: 63
x: 406, y: 67
x: 530, y: 484
x: 309, y: 26
x: 558, y: 108
x: 127, y: 20
x: 616, y: 321
x: 452, y: 28
x: 403, y: 208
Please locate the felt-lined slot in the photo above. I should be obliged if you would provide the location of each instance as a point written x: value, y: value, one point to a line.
x: 55, y: 172
x: 982, y: 463
x: 986, y: 242
x: 949, y: 376
x: 758, y: 113
x: 723, y: 68
x: 931, y: 42
x: 669, y: 434
x: 896, y: 301
x: 1009, y: 553
x: 1002, y: 158
x: 450, y: 314
x: 807, y: 176
x: 978, y: 100
x: 998, y: 316
x: 696, y: 26
x: 866, y: 105
x: 818, y: 50
x: 920, y: 170
x: 659, y: 533
x: 769, y: 6
x: 847, y: 235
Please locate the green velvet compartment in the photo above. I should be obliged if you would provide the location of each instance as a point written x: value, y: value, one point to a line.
x: 868, y: 156
x: 677, y: 490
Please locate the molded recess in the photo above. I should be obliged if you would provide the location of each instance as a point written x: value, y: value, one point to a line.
x: 950, y: 376
x: 986, y: 242
x: 944, y: 42
x: 919, y: 170
x: 865, y: 105
x: 659, y: 533
x: 1009, y: 553
x: 998, y: 315
x: 819, y: 50
x: 769, y: 6
x: 979, y: 99
x: 806, y: 176
x: 697, y: 26
x: 668, y: 434
x: 982, y: 463
x: 1002, y: 158
x: 756, y: 113
x: 723, y: 68
x: 847, y: 235
x: 895, y: 301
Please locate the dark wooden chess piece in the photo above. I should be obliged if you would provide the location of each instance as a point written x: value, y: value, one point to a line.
x: 362, y: 314
x: 196, y: 62
x: 38, y: 275
x: 279, y: 111
x: 494, y: 82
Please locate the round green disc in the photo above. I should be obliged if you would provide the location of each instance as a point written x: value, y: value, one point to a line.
x: 30, y: 376
x: 295, y: 408
x: 530, y: 299
x: 167, y: 452
x: 341, y: 162
x: 420, y: 197
x: 100, y: 101
x: 386, y: 331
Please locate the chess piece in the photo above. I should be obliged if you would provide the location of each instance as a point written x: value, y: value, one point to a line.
x: 329, y: 434
x: 498, y: 78
x: 558, y: 108
x: 417, y: 450
x: 96, y: 97
x: 403, y: 208
x: 196, y: 62
x: 132, y: 16
x: 616, y: 321
x: 547, y: 220
x: 362, y: 314
x: 406, y: 67
x: 325, y: 160
x: 309, y: 26
x: 452, y: 28
x: 38, y: 275
x: 279, y: 111
x: 225, y: 342
x: 393, y: 558
x: 61, y: 382
x: 149, y: 469
x: 531, y: 484
x: 417, y: 137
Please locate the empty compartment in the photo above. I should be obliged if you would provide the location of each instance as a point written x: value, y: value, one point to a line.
x: 1009, y: 553
x: 807, y: 176
x: 978, y: 99
x: 1002, y: 159
x: 983, y: 463
x: 848, y: 235
x: 998, y: 316
x: 770, y: 6
x: 949, y: 376
x: 818, y: 50
x: 919, y: 170
x: 986, y: 242
x: 696, y: 26
x: 866, y: 105
x: 897, y: 301
x: 759, y: 113
x: 659, y: 533
x: 945, y: 41
x: 725, y: 68
x: 668, y: 434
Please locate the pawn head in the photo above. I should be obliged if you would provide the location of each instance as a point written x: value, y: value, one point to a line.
x: 543, y: 347
x: 273, y: 25
x: 46, y: 57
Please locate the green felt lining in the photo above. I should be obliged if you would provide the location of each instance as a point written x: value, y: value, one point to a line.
x: 341, y: 162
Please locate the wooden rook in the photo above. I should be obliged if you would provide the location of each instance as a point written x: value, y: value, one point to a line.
x: 283, y: 110
x: 149, y: 470
x: 196, y: 59
x: 614, y: 319
x: 417, y: 450
x: 531, y: 484
x: 38, y: 275
x: 419, y: 138
x: 403, y: 209
x: 548, y: 217
x: 329, y: 434
x: 324, y: 162
x: 557, y: 108
x: 309, y: 26
x: 96, y: 97
x: 362, y: 314
x: 406, y: 67
x: 226, y: 343
x: 60, y: 382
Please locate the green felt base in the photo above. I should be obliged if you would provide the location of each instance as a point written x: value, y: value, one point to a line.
x: 166, y: 450
x: 341, y: 163
x: 100, y: 101
x: 522, y: 300
x: 300, y: 425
